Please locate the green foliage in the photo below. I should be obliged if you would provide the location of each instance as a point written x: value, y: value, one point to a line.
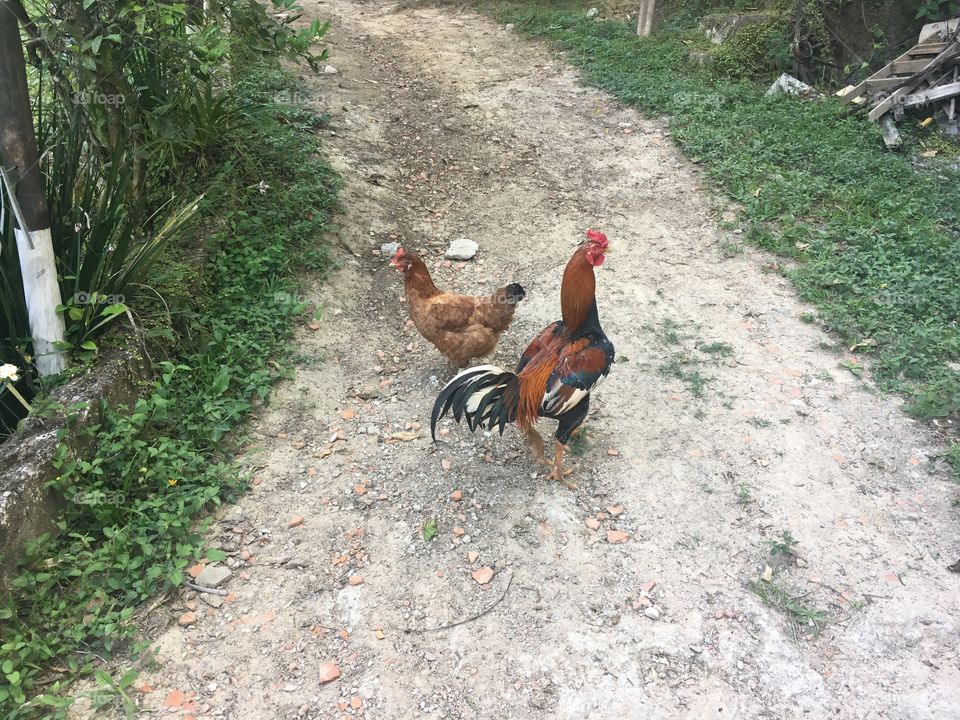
x: 129, y: 528
x: 935, y: 10
x: 756, y: 51
x: 132, y: 102
x: 875, y: 234
x: 784, y: 545
x: 807, y: 617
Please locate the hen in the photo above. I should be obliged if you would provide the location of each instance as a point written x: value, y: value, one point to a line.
x: 555, y: 375
x: 460, y: 326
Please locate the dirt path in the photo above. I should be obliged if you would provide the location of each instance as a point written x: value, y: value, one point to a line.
x: 446, y: 125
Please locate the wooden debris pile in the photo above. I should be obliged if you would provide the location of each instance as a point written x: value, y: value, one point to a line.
x: 926, y: 77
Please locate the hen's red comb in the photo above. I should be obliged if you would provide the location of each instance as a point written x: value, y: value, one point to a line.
x: 597, y: 237
x: 398, y: 253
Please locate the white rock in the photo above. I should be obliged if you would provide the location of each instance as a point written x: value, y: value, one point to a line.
x: 330, y: 70
x: 461, y: 249
x: 592, y: 12
x: 652, y: 612
x: 789, y: 85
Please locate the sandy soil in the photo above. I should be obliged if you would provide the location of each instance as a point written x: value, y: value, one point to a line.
x: 447, y: 125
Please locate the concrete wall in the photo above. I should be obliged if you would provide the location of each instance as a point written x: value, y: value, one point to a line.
x: 27, y: 507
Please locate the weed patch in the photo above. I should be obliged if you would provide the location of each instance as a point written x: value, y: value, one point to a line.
x: 130, y: 526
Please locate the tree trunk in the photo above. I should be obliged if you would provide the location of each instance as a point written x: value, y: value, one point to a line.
x: 18, y: 153
x: 645, y: 17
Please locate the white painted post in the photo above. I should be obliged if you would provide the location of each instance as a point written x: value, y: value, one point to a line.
x: 645, y: 17
x: 19, y: 153
x: 38, y: 268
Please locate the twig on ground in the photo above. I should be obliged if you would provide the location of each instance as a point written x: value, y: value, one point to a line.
x: 201, y: 588
x: 465, y: 620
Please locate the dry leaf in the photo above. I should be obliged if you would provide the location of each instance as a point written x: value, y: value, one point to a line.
x: 404, y: 436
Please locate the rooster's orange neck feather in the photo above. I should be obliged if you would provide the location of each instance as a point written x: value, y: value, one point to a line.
x: 578, y: 291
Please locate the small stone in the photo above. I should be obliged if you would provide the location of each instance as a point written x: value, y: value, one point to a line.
x: 187, y: 619
x: 356, y: 702
x: 212, y: 600
x: 473, y: 556
x: 593, y: 523
x: 446, y: 464
x: 652, y: 612
x: 356, y: 580
x: 615, y: 537
x: 461, y: 249
x: 295, y: 521
x: 456, y: 496
x: 615, y: 510
x: 214, y: 576
x: 642, y: 602
x: 195, y: 570
x: 458, y: 532
x: 348, y: 414
x: 360, y: 490
x: 648, y: 586
x: 592, y: 12
x: 328, y: 673
x: 613, y: 452
x: 483, y: 575
x: 330, y: 70
x: 245, y: 555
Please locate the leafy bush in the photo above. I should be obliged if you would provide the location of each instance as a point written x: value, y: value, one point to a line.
x: 132, y: 102
x: 129, y: 528
x: 755, y: 52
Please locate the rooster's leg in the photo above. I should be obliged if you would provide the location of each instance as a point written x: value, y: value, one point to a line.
x: 558, y: 473
x: 535, y: 443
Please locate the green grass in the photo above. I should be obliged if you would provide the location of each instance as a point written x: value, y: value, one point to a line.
x: 807, y: 617
x: 876, y: 237
x: 136, y: 495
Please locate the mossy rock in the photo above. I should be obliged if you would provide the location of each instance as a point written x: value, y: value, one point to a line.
x: 756, y: 51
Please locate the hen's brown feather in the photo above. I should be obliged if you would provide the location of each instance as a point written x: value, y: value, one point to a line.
x: 459, y: 326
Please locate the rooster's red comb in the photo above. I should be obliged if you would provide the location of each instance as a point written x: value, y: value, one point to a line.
x: 597, y: 237
x: 398, y: 253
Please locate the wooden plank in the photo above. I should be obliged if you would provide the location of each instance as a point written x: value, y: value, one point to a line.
x: 645, y: 17
x: 883, y: 83
x: 908, y: 87
x: 891, y: 136
x: 926, y: 49
x: 908, y: 67
x: 854, y: 93
x: 933, y: 94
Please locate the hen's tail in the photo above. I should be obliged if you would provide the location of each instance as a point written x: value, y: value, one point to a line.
x: 515, y: 292
x: 486, y: 395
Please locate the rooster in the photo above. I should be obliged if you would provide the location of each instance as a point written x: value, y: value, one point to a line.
x: 555, y: 375
x: 459, y: 326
